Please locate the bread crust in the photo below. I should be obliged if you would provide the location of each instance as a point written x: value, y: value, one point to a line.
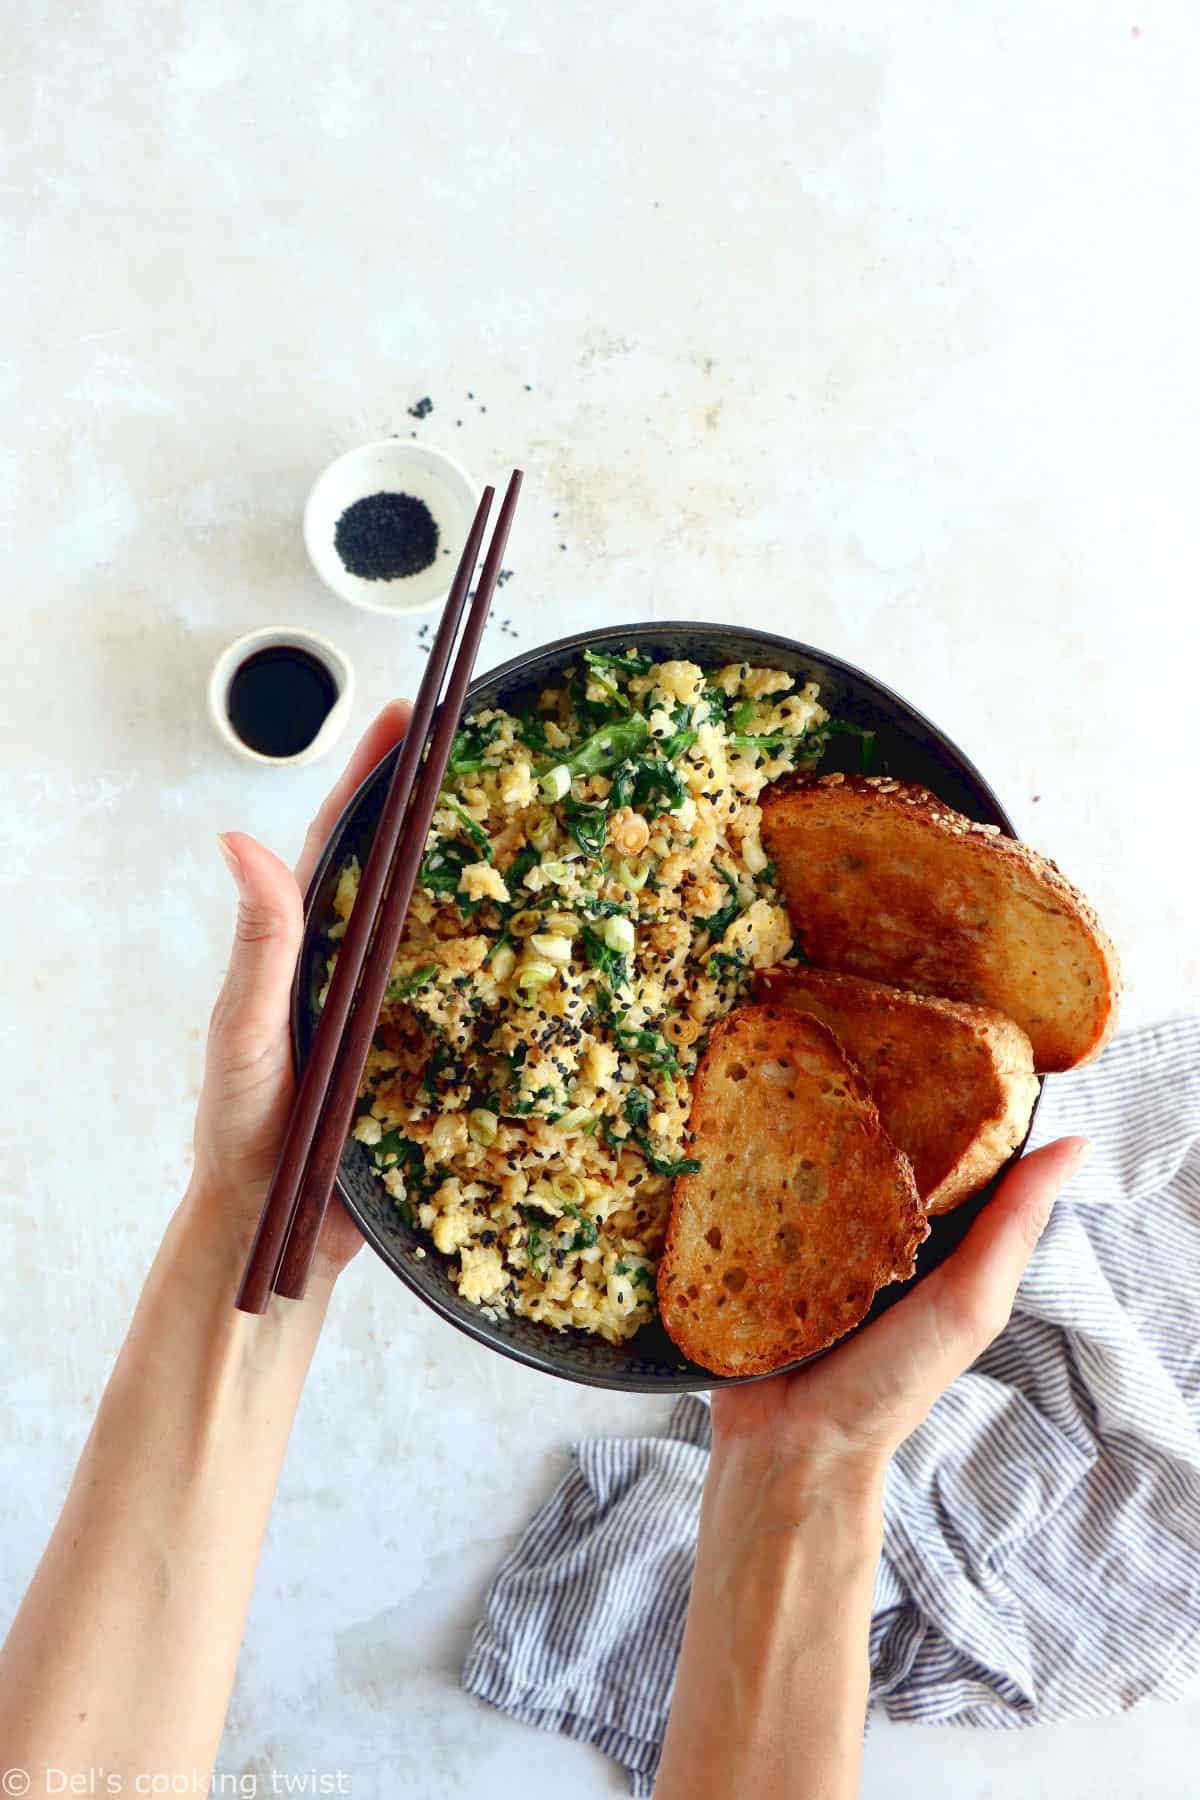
x: 954, y: 1083
x: 885, y: 881
x: 802, y: 1208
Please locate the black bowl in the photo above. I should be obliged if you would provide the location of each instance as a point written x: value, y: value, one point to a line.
x: 906, y: 745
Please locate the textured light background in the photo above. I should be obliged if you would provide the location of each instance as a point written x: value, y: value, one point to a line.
x: 875, y: 325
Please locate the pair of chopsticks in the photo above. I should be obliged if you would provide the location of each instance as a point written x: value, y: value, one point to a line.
x: 294, y: 1210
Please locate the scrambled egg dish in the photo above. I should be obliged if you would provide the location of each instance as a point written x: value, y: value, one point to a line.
x: 593, y: 896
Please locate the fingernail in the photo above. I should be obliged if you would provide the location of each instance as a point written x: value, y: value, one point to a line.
x: 233, y: 861
x: 1083, y: 1150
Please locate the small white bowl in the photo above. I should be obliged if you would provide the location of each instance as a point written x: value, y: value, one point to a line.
x: 396, y: 467
x: 231, y: 660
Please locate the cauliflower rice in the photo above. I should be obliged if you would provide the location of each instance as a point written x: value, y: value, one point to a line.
x: 594, y: 894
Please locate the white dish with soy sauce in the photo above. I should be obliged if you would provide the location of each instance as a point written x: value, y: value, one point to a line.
x: 281, y: 696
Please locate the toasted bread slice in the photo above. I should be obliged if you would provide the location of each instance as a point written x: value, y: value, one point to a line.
x: 954, y: 1083
x: 802, y: 1207
x: 884, y: 881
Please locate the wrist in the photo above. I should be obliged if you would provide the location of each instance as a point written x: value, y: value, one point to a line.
x: 201, y: 1262
x: 222, y: 1240
x: 758, y: 1491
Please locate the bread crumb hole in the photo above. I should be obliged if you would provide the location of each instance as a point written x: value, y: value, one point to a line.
x: 737, y: 1071
x: 713, y: 1236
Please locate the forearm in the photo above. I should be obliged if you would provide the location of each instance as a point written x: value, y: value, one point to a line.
x: 124, y: 1650
x: 772, y: 1687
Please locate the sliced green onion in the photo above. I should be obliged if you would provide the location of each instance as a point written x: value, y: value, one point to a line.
x: 633, y: 873
x: 524, y: 924
x: 618, y: 934
x: 554, y: 948
x: 503, y: 962
x: 541, y: 833
x: 567, y: 1188
x: 566, y: 924
x: 534, y: 974
x: 556, y: 870
x: 556, y: 782
x: 482, y: 1125
x: 577, y: 1119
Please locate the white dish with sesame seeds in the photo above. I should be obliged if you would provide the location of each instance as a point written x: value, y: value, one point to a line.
x: 391, y: 466
x: 594, y: 894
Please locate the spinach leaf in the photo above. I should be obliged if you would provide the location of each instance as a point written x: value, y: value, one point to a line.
x: 655, y: 780
x: 684, y: 736
x: 651, y: 1046
x: 718, y: 923
x: 536, y: 1215
x: 441, y: 870
x: 587, y: 825
x: 610, y: 963
x: 611, y: 744
x: 637, y: 1107
x: 630, y: 662
x: 514, y: 875
x: 621, y: 792
x: 473, y: 829
x: 742, y: 715
x: 439, y: 1057
x: 585, y: 1237
x: 392, y: 1148
x: 641, y: 1276
x: 768, y: 742
x: 718, y: 704
x: 466, y: 752
x: 532, y: 730
x: 596, y: 908
x: 411, y: 984
x: 594, y: 709
x: 662, y: 1165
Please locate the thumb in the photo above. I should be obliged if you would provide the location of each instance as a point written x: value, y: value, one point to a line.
x: 975, y: 1288
x: 250, y: 1020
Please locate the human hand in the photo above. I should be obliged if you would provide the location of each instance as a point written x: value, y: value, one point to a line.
x: 843, y: 1416
x: 248, y: 1079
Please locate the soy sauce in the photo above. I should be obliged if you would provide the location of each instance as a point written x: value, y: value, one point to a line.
x: 279, y: 699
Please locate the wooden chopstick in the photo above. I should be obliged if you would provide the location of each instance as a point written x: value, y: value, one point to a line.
x: 356, y: 1042
x: 326, y: 1127
x: 283, y: 1195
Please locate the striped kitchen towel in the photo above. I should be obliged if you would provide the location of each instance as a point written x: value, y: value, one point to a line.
x: 1042, y: 1527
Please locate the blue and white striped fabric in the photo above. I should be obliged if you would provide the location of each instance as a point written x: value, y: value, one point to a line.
x: 1042, y: 1538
